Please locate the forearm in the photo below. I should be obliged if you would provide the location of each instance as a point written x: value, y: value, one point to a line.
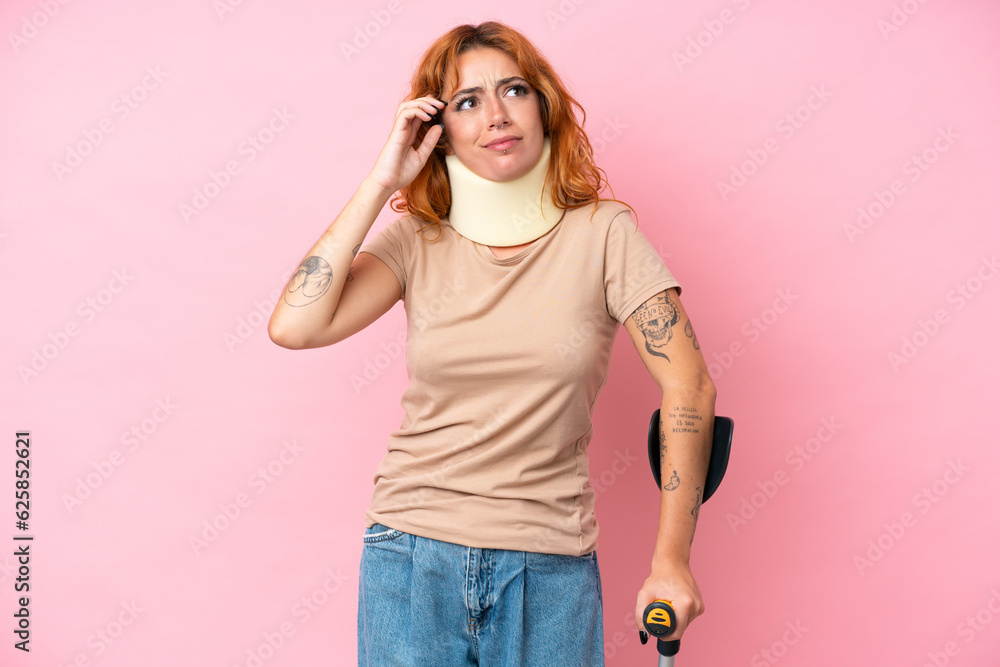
x: 686, y: 422
x: 312, y: 294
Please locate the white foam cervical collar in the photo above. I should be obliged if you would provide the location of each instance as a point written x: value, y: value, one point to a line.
x: 502, y: 214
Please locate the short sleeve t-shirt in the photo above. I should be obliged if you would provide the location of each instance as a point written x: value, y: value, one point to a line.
x: 505, y: 360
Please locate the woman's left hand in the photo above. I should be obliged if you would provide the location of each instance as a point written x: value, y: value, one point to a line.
x: 674, y: 582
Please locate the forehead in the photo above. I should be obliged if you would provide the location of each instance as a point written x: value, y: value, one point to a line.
x: 482, y: 66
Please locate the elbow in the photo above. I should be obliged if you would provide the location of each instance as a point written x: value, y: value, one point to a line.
x: 706, y: 386
x: 699, y: 384
x: 293, y: 337
x: 283, y: 336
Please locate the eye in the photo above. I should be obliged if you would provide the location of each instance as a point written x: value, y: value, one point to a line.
x: 522, y: 91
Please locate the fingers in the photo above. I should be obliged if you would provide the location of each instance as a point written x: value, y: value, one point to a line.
x: 428, y: 143
x: 424, y: 108
x: 411, y: 114
x: 685, y: 614
x: 400, y: 160
x: 686, y: 609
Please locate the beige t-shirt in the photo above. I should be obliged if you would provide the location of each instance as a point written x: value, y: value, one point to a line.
x: 505, y: 359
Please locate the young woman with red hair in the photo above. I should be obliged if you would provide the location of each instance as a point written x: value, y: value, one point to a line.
x: 480, y: 545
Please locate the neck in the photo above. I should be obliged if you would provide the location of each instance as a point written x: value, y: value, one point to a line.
x: 502, y: 214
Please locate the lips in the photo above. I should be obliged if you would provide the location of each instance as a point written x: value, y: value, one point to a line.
x: 503, y: 143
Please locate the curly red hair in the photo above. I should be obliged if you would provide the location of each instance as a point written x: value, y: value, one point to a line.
x: 577, y: 179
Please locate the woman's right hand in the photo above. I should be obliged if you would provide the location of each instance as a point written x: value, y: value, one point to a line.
x: 399, y: 163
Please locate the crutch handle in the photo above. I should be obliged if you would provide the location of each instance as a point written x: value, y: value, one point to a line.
x: 660, y: 620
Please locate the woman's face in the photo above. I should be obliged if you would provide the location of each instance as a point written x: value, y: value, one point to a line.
x: 493, y: 100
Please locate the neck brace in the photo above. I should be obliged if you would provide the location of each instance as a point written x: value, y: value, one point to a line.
x: 502, y: 214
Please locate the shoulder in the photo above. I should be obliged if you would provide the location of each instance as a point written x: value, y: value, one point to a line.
x: 411, y: 226
x: 404, y: 230
x: 604, y: 212
x: 604, y: 218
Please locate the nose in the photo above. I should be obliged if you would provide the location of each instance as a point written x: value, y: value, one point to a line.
x: 497, y: 113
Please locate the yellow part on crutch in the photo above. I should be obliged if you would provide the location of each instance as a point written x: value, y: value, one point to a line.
x: 660, y: 621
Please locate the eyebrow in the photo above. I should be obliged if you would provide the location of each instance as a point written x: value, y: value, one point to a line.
x: 479, y: 89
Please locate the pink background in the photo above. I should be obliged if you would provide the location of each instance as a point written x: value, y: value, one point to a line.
x: 817, y: 112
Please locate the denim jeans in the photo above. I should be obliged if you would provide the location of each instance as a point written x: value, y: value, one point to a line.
x: 427, y: 603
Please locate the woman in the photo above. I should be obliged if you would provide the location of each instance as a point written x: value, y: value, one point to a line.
x: 480, y: 545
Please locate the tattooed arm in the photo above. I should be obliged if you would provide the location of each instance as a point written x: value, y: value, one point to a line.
x: 665, y: 339
x: 304, y: 315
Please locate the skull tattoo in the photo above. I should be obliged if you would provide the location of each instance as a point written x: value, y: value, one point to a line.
x: 655, y: 319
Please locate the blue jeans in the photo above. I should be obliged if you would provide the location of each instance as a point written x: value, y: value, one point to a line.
x: 427, y: 603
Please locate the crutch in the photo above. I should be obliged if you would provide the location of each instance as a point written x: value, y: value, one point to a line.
x: 659, y: 618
